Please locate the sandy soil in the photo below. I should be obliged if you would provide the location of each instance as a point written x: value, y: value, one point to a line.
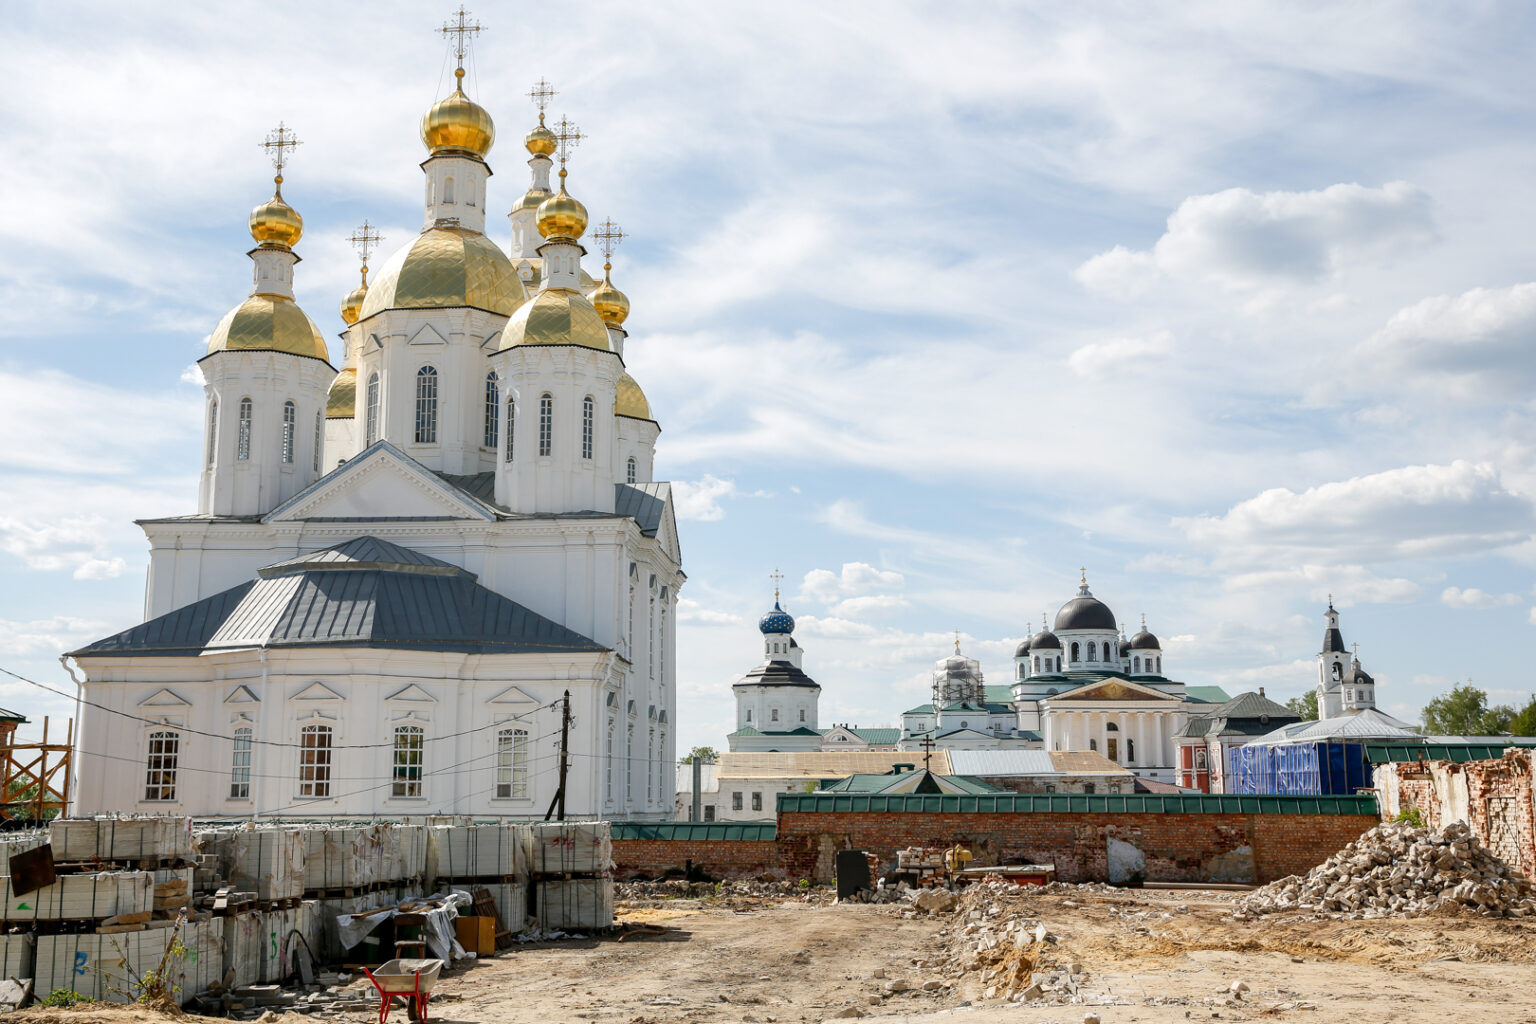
x: 1149, y: 957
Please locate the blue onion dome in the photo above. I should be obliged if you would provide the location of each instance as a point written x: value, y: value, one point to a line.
x: 777, y: 621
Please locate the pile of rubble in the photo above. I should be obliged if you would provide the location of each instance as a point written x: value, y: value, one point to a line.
x: 643, y: 894
x: 1397, y: 870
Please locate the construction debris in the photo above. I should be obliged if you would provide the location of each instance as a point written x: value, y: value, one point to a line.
x: 1398, y: 870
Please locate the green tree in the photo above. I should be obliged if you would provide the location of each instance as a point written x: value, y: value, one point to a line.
x: 1465, y: 712
x: 705, y: 754
x: 1524, y: 722
x: 1305, y: 706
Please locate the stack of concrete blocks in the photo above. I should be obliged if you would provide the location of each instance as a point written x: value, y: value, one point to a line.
x: 121, y: 840
x: 493, y: 857
x: 571, y: 867
x: 370, y: 865
x: 114, y: 967
x: 268, y: 862
x: 259, y: 944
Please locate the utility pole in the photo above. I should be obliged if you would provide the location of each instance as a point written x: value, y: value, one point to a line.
x: 565, y: 758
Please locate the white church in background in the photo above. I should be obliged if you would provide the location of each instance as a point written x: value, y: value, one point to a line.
x: 396, y: 571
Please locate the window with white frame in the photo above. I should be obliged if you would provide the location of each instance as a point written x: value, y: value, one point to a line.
x: 290, y: 423
x: 410, y: 748
x: 629, y: 762
x: 240, y: 765
x: 588, y: 410
x: 319, y: 437
x: 511, y: 425
x: 371, y: 410
x: 608, y: 765
x: 546, y: 424
x: 757, y: 801
x: 161, y: 765
x: 315, y: 761
x: 631, y: 470
x: 243, y: 432
x: 213, y: 429
x: 735, y: 801
x: 650, y: 767
x: 492, y: 410
x: 426, y: 405
x: 512, y: 764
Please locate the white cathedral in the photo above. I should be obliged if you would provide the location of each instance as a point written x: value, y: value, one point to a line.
x: 396, y: 571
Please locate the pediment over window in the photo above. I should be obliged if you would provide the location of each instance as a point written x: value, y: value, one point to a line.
x: 428, y: 335
x: 242, y: 694
x: 317, y: 691
x: 512, y: 695
x: 413, y: 694
x: 164, y: 698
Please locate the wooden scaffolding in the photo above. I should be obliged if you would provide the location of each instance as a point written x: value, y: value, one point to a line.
x: 34, y: 779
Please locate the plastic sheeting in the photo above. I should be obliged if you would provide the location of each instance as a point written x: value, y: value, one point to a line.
x: 438, y: 931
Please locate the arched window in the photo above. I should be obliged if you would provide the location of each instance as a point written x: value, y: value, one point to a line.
x: 1037, y: 663
x: 1130, y: 749
x: 213, y: 429
x: 546, y: 424
x: 492, y: 410
x: 319, y: 436
x: 1076, y: 652
x: 1136, y: 664
x: 243, y: 437
x: 608, y: 766
x: 290, y: 417
x: 511, y: 424
x: 1159, y: 664
x: 629, y: 763
x: 371, y: 416
x: 315, y: 761
x: 240, y: 765
x: 448, y: 190
x: 426, y: 405
x: 1093, y: 653
x: 586, y: 427
x: 512, y: 763
x: 1111, y: 727
x: 1093, y: 744
x: 631, y: 470
x: 410, y: 748
x: 160, y: 767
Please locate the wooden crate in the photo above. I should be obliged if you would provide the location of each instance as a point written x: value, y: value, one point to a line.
x: 476, y: 934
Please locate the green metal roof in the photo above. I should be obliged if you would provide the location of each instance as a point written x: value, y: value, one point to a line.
x: 878, y: 737
x: 749, y: 731
x: 1071, y: 803
x: 1382, y: 753
x: 1209, y: 694
x: 709, y: 831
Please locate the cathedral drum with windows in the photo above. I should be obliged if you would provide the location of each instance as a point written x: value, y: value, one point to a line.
x: 397, y: 571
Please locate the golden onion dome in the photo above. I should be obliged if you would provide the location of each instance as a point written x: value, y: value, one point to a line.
x: 268, y: 323
x: 445, y: 267
x: 341, y: 401
x: 352, y: 305
x: 630, y: 401
x: 611, y: 304
x: 556, y: 316
x: 562, y: 215
x: 457, y: 124
x: 275, y: 224
x: 541, y: 141
x: 532, y: 199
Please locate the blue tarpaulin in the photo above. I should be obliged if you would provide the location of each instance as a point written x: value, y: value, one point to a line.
x: 1322, y: 767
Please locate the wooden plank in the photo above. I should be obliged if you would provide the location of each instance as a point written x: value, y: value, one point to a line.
x: 32, y: 870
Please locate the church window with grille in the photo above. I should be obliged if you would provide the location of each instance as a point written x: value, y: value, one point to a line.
x: 319, y: 437
x: 511, y: 424
x: 492, y: 409
x: 630, y: 470
x: 1093, y: 652
x: 161, y: 765
x: 315, y: 761
x: 512, y: 764
x: 608, y: 766
x: 546, y: 424
x: 1076, y: 652
x: 243, y: 435
x: 240, y: 766
x: 213, y: 428
x: 410, y: 748
x: 426, y: 405
x: 290, y: 421
x: 371, y: 416
x: 587, y: 408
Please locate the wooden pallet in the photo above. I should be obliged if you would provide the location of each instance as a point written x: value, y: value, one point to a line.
x: 485, y: 906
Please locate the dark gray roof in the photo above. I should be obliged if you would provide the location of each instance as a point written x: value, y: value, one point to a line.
x: 1247, y: 714
x: 641, y: 502
x: 480, y: 485
x: 364, y: 593
x: 1085, y: 612
x: 777, y: 673
x: 1145, y: 641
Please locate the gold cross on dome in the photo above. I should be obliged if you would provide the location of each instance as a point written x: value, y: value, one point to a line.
x: 776, y: 576
x: 567, y: 137
x: 1356, y: 646
x: 279, y: 140
x: 957, y: 641
x: 608, y: 235
x: 363, y: 240
x: 541, y: 93
x: 1084, y: 571
x: 461, y: 27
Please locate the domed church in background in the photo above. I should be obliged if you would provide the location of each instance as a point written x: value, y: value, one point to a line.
x: 398, y: 569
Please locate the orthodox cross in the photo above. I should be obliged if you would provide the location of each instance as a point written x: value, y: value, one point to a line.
x: 608, y: 235
x: 279, y: 140
x: 567, y: 137
x: 1084, y: 571
x: 1356, y: 646
x: 363, y: 240
x: 927, y: 746
x: 957, y: 641
x: 541, y: 93
x: 776, y: 576
x: 462, y: 27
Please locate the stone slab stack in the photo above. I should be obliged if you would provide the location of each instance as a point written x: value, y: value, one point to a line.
x: 112, y: 967
x: 88, y: 897
x: 571, y: 871
x: 268, y: 862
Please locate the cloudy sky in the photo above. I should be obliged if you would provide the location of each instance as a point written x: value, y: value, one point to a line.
x: 1233, y: 304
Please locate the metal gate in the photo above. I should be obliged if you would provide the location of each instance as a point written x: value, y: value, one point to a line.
x: 1504, y: 831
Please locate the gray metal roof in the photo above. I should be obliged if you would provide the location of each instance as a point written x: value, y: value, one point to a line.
x: 366, y: 592
x: 995, y: 763
x: 1368, y: 723
x: 645, y: 503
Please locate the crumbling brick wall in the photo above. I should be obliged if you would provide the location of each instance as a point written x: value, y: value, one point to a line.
x: 1494, y: 796
x: 718, y: 858
x: 1175, y: 847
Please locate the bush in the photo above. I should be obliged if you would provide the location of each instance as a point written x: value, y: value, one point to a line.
x: 1412, y: 815
x: 62, y: 997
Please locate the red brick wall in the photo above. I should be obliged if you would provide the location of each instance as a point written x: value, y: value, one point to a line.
x: 1177, y: 847
x: 717, y: 858
x: 1509, y: 780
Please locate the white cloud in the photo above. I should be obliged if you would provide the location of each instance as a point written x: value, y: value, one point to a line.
x: 1414, y: 511
x: 873, y: 606
x: 855, y: 578
x: 1533, y: 616
x: 1472, y: 345
x: 100, y: 569
x: 1100, y: 359
x: 831, y: 626
x: 689, y: 610
x: 701, y: 500
x: 1345, y: 585
x: 47, y: 637
x: 193, y: 374
x: 1241, y: 240
x: 1472, y: 597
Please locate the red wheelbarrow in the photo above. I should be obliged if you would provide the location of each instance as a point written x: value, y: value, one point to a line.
x: 411, y: 980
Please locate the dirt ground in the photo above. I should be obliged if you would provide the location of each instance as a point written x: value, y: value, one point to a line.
x: 1148, y: 957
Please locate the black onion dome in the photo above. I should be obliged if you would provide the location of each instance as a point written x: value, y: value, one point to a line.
x: 1086, y: 612
x: 1357, y: 676
x: 1021, y: 650
x: 1145, y: 641
x: 1044, y: 640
